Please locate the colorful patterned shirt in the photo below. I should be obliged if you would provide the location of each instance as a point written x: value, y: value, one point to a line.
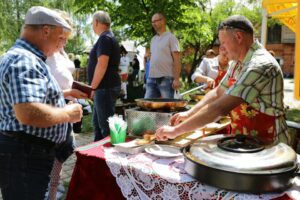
x: 259, y: 82
x: 25, y: 78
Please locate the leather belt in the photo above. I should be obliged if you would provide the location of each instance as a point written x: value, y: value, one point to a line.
x: 22, y: 136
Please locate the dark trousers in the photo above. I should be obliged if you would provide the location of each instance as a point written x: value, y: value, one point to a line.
x: 104, y: 107
x: 24, y: 168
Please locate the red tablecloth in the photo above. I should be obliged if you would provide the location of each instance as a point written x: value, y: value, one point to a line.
x: 91, y: 178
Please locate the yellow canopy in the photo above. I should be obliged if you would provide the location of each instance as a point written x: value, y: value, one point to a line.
x: 284, y: 10
x: 288, y: 12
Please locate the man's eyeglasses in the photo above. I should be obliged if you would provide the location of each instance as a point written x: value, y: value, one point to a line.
x: 156, y: 20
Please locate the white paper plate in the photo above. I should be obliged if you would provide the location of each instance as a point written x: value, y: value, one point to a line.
x: 131, y: 147
x: 163, y: 150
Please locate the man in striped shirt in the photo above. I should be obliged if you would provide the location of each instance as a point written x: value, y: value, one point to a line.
x: 33, y: 114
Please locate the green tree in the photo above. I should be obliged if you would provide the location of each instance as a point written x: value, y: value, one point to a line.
x: 13, y: 14
x: 11, y: 19
x: 194, y: 22
x: 132, y: 19
x: 81, y: 33
x: 198, y: 29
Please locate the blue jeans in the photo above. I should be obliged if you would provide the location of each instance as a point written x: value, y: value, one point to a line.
x: 24, y: 169
x: 104, y: 107
x: 159, y: 88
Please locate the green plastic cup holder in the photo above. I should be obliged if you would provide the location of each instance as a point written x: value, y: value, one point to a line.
x: 116, y: 138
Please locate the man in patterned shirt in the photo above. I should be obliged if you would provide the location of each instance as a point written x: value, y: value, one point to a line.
x: 33, y: 115
x: 251, y: 91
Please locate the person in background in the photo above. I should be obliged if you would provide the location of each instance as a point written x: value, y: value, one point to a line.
x: 165, y: 64
x: 251, y: 91
x: 124, y: 64
x: 103, y: 73
x: 210, y: 53
x: 61, y: 67
x: 33, y: 115
x: 124, y: 70
x: 77, y: 64
x: 136, y: 67
x: 147, y: 65
x: 211, y: 70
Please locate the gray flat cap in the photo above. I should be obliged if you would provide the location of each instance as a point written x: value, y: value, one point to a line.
x: 38, y: 15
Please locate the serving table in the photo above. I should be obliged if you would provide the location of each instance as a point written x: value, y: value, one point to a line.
x: 101, y: 172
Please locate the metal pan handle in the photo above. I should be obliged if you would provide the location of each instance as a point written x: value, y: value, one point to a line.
x: 191, y: 90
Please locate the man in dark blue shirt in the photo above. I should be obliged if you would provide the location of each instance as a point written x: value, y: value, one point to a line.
x: 103, y: 73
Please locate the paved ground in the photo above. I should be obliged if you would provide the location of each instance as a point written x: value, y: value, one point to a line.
x: 85, y: 138
x: 289, y: 94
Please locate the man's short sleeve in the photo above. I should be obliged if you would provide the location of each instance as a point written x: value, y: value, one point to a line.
x: 250, y: 84
x: 201, y: 70
x: 174, y: 43
x: 105, y: 46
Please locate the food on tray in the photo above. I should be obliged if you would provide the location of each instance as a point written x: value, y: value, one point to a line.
x: 147, y: 138
x: 212, y: 126
x: 190, y: 137
x: 143, y: 142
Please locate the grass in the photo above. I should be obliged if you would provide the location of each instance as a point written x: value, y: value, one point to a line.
x: 293, y: 115
x: 87, y: 125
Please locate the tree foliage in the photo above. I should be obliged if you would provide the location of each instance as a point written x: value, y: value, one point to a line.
x: 132, y: 18
x: 199, y: 28
x: 13, y: 14
x: 194, y: 22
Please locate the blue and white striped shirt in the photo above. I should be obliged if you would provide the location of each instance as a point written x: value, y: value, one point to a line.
x: 25, y: 78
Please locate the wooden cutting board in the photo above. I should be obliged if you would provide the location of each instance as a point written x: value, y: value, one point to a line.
x: 189, y: 138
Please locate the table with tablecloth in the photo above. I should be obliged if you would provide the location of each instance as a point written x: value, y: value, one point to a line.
x: 101, y: 172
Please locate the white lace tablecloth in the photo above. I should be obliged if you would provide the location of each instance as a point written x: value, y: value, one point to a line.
x: 144, y: 176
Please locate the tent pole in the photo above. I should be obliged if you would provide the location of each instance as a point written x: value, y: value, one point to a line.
x: 264, y: 27
x: 297, y: 56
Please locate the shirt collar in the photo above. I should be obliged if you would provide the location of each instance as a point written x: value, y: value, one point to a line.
x: 107, y: 32
x: 30, y: 47
x: 256, y: 45
x: 164, y: 33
